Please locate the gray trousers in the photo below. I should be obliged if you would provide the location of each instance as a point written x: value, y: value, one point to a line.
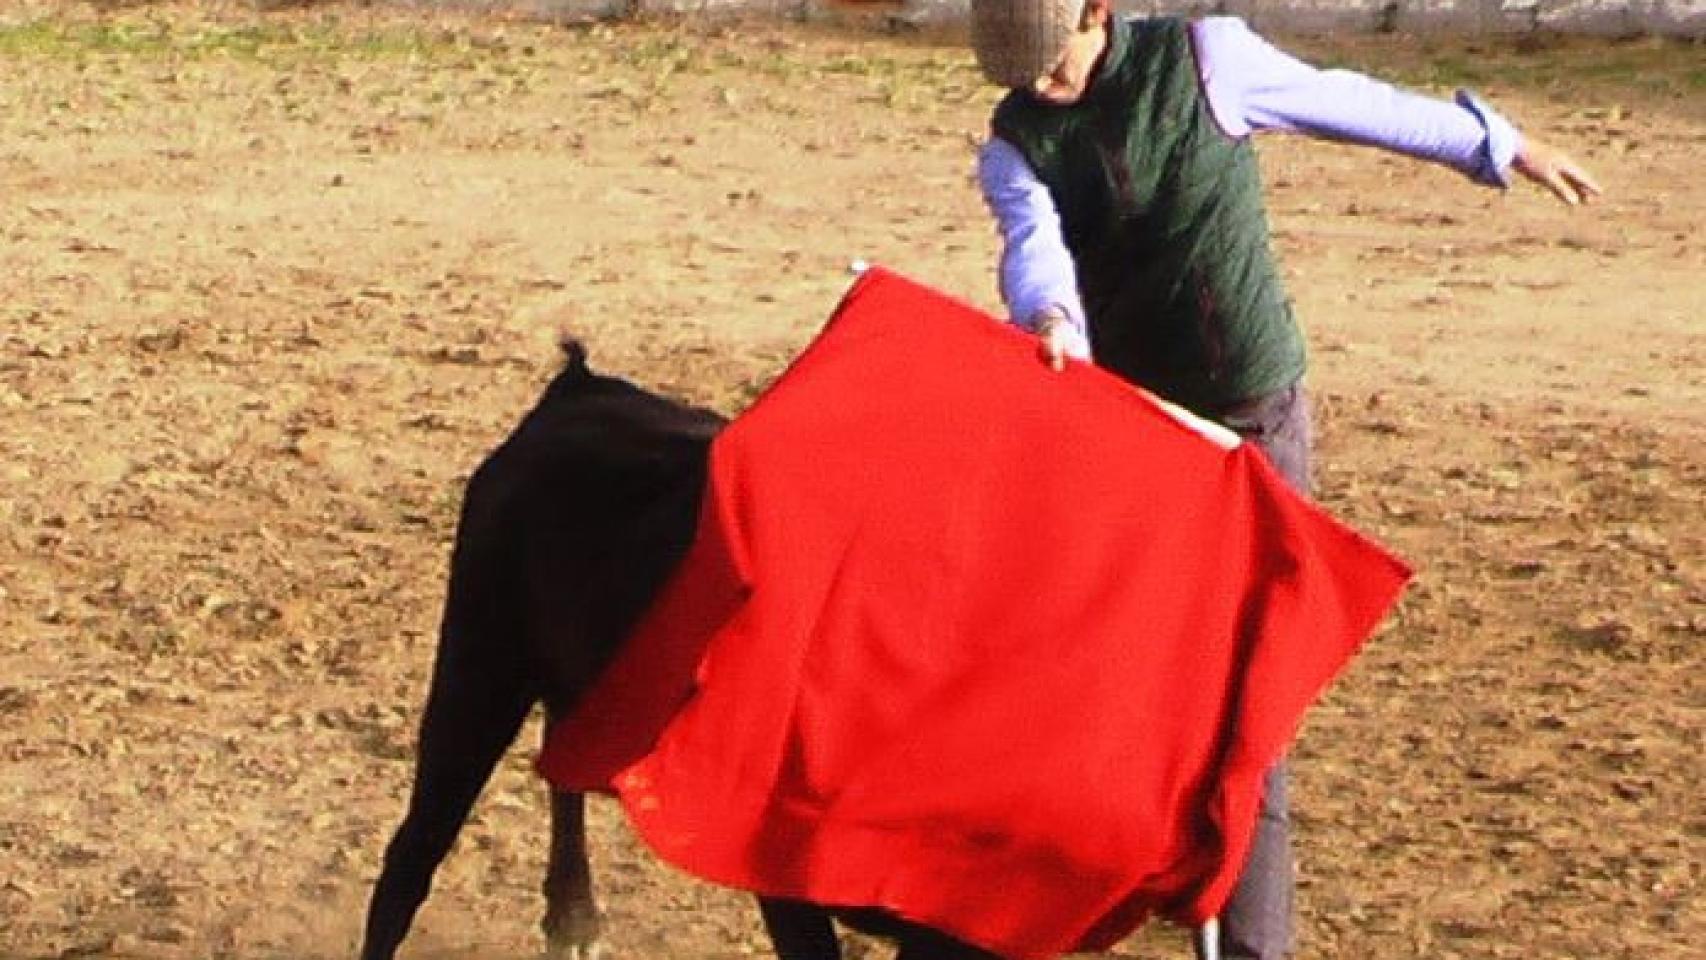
x: 1256, y: 922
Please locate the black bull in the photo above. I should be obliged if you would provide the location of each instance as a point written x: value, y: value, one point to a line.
x: 567, y: 530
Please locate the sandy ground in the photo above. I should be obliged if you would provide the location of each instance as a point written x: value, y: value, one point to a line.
x: 270, y: 286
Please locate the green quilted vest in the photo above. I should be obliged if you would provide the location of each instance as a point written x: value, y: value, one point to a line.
x: 1163, y: 214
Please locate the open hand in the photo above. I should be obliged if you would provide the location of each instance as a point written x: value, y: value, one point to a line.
x: 1557, y: 171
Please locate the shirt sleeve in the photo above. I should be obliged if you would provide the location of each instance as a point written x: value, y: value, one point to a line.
x: 1252, y: 85
x: 1036, y: 268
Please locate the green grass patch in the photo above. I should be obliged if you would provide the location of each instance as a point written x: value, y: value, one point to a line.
x: 1520, y: 62
x: 261, y: 41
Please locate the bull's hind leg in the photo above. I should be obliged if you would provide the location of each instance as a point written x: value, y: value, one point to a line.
x: 472, y: 716
x: 920, y: 944
x: 573, y: 924
x: 799, y: 931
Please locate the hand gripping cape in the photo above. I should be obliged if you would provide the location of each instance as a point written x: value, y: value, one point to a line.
x: 1002, y: 650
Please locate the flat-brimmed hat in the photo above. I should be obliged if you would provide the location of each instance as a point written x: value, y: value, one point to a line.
x: 1018, y: 41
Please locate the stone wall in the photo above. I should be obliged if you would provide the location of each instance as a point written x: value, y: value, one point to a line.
x: 1669, y: 17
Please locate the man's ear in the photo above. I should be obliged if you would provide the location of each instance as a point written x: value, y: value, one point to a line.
x: 1096, y: 14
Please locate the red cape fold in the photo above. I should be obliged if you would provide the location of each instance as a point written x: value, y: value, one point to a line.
x: 1004, y: 650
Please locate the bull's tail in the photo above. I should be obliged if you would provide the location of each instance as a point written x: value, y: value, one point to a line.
x: 575, y: 373
x: 574, y: 352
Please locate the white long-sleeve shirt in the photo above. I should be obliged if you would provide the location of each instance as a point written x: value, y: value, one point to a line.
x: 1250, y: 86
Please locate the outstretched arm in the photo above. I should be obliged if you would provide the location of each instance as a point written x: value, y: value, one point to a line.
x: 1252, y: 85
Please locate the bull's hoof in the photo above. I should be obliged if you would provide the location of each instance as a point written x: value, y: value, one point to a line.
x: 575, y: 933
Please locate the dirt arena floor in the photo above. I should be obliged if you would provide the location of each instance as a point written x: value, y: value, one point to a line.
x: 271, y: 284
